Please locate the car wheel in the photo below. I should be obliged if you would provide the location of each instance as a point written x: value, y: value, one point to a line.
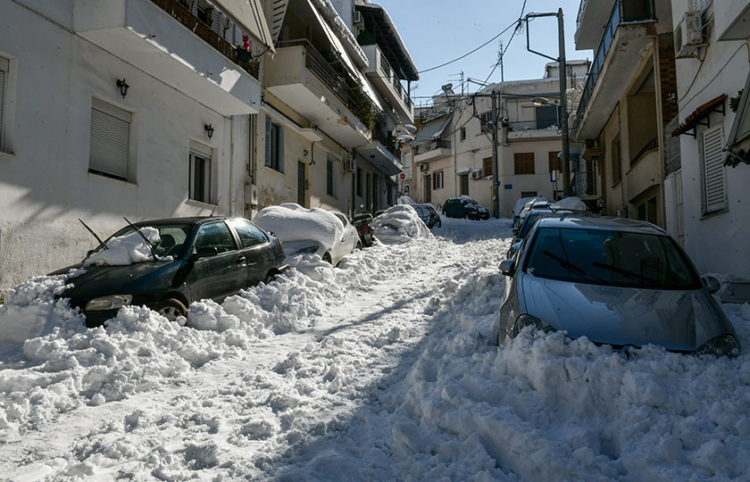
x: 327, y: 258
x: 171, y: 309
x: 269, y: 277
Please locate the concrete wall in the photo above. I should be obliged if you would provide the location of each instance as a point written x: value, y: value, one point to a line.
x: 717, y: 242
x: 45, y: 185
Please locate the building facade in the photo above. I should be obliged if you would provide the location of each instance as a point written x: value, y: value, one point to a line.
x: 133, y: 108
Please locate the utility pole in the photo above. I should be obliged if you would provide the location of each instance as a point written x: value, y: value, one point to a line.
x: 495, y: 162
x: 500, y: 54
x: 563, y: 88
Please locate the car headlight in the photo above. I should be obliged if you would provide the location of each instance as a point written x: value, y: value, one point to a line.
x: 111, y: 302
x: 526, y: 320
x: 720, y: 346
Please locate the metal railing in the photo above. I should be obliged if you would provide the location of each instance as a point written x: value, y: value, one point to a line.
x: 623, y: 12
x: 180, y: 12
x: 433, y: 145
x: 533, y: 125
x: 388, y: 73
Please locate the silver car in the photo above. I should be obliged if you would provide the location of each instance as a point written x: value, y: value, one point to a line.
x: 617, y: 281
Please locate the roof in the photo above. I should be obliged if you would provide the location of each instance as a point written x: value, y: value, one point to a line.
x: 600, y: 222
x: 390, y: 42
x: 432, y: 129
x: 185, y: 220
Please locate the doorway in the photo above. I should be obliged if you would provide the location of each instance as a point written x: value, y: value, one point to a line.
x: 428, y: 188
x: 301, y: 183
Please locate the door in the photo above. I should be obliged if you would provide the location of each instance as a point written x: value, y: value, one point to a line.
x: 301, y: 183
x: 464, y: 184
x: 368, y: 194
x: 428, y: 188
x: 220, y: 269
x: 255, y: 247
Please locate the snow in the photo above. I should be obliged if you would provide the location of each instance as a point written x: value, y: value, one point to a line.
x: 399, y: 223
x: 380, y: 369
x: 292, y: 224
x: 128, y: 249
x: 572, y: 202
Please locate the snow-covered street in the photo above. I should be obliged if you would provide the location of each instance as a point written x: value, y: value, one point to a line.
x: 384, y: 368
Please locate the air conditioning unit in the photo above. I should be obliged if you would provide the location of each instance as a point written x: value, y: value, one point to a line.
x: 424, y: 167
x: 688, y: 35
x: 347, y: 165
x: 477, y: 174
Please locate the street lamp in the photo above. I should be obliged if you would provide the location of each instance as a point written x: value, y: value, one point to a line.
x: 563, y: 88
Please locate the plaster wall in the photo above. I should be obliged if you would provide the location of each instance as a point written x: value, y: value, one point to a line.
x: 717, y: 242
x: 45, y: 185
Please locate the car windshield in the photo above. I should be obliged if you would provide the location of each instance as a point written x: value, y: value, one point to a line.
x: 172, y: 237
x: 615, y: 258
x: 528, y: 222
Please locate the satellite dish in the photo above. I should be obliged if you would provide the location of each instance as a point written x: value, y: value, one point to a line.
x: 405, y: 138
x: 411, y: 128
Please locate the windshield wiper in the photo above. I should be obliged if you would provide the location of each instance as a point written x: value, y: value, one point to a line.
x: 150, y: 246
x: 627, y: 273
x: 101, y: 243
x: 571, y: 267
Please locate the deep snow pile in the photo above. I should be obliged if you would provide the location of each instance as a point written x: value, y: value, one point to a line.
x: 380, y: 369
x: 292, y: 223
x: 399, y: 223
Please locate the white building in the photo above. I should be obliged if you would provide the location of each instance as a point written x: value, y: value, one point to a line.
x: 135, y: 108
x: 707, y: 201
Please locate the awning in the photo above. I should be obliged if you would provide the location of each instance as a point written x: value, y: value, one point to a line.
x: 699, y: 114
x: 463, y: 170
x: 392, y: 45
x: 336, y: 44
x: 249, y: 15
x: 432, y: 130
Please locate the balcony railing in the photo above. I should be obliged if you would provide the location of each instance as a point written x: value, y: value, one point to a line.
x: 623, y: 12
x: 179, y: 11
x: 533, y: 125
x: 389, y: 73
x: 352, y: 96
x: 433, y: 145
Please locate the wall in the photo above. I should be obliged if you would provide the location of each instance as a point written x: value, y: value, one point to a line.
x: 45, y: 185
x: 716, y: 242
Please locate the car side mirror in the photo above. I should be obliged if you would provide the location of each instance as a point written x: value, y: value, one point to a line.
x: 515, y: 232
x: 712, y: 284
x: 508, y: 267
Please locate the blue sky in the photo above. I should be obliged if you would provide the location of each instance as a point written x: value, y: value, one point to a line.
x: 436, y: 31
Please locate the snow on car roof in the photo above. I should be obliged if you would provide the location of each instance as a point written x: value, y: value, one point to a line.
x: 400, y: 223
x: 291, y: 222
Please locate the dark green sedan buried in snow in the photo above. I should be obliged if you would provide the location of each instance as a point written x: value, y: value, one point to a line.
x: 192, y: 259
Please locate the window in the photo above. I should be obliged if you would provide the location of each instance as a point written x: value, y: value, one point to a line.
x: 529, y: 194
x: 214, y: 238
x: 359, y: 182
x: 437, y: 180
x: 274, y: 145
x: 200, y: 176
x: 485, y: 121
x: 714, y: 177
x: 109, y: 148
x: 249, y: 234
x: 329, y: 177
x: 463, y: 133
x: 546, y: 116
x: 616, y: 172
x: 523, y: 162
x: 487, y: 166
x: 4, y: 68
x: 554, y: 161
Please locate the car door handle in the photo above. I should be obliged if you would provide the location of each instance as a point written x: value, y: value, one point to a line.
x: 241, y: 261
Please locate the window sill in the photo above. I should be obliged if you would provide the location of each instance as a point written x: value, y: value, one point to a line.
x: 7, y: 155
x: 200, y: 204
x: 273, y: 169
x: 713, y: 214
x: 109, y: 177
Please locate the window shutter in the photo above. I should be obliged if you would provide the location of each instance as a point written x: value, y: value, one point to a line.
x: 269, y: 162
x: 3, y: 77
x: 109, y: 148
x: 281, y: 148
x: 713, y: 170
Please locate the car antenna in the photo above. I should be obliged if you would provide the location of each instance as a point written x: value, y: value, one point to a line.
x: 101, y: 243
x: 150, y: 246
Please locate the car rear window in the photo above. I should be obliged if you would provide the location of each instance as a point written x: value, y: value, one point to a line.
x: 608, y: 257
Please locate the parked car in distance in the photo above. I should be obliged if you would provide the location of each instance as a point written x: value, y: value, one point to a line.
x: 521, y: 204
x: 328, y: 234
x: 361, y: 222
x: 193, y: 258
x: 428, y: 215
x: 465, y: 207
x: 617, y: 281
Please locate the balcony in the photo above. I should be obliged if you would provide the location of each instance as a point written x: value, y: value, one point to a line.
x: 628, y: 32
x: 433, y: 150
x: 191, y: 58
x: 381, y: 158
x: 300, y: 76
x: 532, y: 129
x: 387, y: 82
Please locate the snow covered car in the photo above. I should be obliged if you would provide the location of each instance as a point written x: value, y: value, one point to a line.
x: 184, y: 260
x: 465, y: 207
x: 617, y: 281
x: 521, y: 203
x: 400, y: 223
x: 428, y: 215
x: 328, y: 234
